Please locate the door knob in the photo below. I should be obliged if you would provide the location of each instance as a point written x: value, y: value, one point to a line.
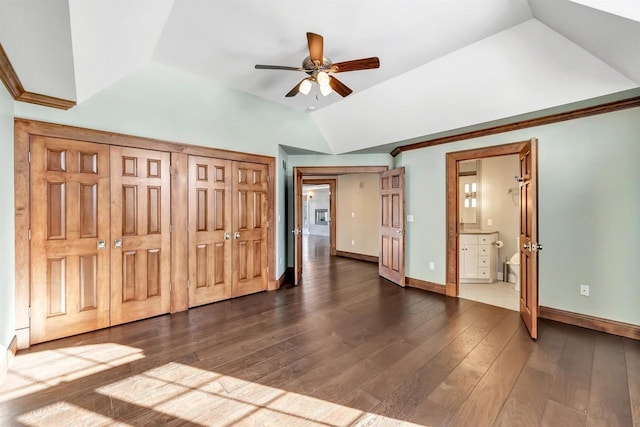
x: 227, y: 236
x: 237, y: 235
x: 536, y: 247
x: 399, y: 231
x: 102, y: 245
x: 117, y: 243
x: 526, y: 247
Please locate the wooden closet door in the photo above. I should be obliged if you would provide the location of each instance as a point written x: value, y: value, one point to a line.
x: 140, y: 229
x: 249, y: 228
x: 209, y: 230
x: 69, y: 219
x: 391, y: 261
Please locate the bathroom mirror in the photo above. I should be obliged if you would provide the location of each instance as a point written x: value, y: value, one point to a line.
x: 468, y: 191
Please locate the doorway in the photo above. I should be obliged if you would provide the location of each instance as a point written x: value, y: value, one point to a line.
x: 529, y: 246
x: 488, y: 205
x: 316, y: 175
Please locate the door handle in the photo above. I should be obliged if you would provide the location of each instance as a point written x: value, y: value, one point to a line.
x: 227, y: 236
x: 102, y: 245
x: 237, y: 235
x: 537, y: 247
x: 117, y: 243
x: 399, y: 231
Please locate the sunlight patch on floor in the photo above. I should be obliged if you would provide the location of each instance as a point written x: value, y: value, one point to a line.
x: 65, y: 414
x: 26, y: 375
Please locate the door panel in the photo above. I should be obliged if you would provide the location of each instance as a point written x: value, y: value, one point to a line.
x: 529, y: 237
x: 250, y: 228
x: 297, y: 228
x: 70, y: 214
x: 391, y: 261
x: 140, y: 218
x: 209, y: 230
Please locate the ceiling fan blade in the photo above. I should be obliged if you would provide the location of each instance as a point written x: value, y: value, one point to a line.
x: 295, y: 90
x: 339, y: 87
x: 278, y: 67
x: 316, y: 47
x: 356, y: 64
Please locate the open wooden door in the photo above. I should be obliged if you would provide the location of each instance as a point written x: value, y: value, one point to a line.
x: 529, y: 245
x: 297, y: 227
x: 140, y: 229
x: 69, y: 239
x: 391, y: 260
x: 210, y: 246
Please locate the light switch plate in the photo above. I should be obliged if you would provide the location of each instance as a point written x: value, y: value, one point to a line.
x: 489, y: 222
x: 409, y: 218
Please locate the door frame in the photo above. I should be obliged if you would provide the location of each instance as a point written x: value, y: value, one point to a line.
x: 24, y: 128
x: 299, y: 173
x: 332, y: 208
x: 453, y: 220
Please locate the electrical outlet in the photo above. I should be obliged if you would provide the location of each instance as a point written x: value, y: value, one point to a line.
x: 353, y: 243
x: 432, y: 266
x: 584, y: 290
x: 489, y: 222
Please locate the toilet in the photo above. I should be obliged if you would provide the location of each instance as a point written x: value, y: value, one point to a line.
x: 514, y: 267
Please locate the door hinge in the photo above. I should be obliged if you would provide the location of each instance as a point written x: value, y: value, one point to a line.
x: 267, y: 270
x: 268, y: 178
x: 188, y: 284
x: 29, y: 234
x: 29, y: 312
x: 29, y: 156
x: 170, y: 228
x: 170, y: 287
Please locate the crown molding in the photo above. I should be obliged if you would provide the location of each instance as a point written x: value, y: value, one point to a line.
x: 523, y: 124
x: 14, y: 86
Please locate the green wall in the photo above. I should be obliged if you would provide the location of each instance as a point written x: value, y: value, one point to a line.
x: 589, y: 207
x: 7, y: 260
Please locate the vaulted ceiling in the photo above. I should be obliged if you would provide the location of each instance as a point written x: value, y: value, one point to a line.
x: 445, y: 64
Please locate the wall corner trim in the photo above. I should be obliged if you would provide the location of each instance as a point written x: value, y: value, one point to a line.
x: 425, y: 286
x: 14, y: 86
x: 591, y: 322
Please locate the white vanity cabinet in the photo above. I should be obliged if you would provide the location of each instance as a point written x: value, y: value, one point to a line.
x: 478, y: 257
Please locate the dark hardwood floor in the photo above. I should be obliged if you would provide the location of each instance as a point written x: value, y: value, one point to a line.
x: 343, y: 348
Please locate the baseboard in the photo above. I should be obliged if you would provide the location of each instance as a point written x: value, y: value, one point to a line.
x: 360, y: 257
x: 6, y: 356
x: 591, y: 322
x: 424, y: 285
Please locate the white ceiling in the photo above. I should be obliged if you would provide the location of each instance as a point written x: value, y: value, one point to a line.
x: 445, y: 64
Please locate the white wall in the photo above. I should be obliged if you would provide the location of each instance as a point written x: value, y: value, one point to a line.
x: 357, y: 213
x: 496, y: 177
x: 588, y: 211
x: 7, y: 260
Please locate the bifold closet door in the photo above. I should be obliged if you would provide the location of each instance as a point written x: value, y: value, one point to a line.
x: 209, y: 230
x: 140, y: 234
x: 249, y: 228
x: 69, y: 237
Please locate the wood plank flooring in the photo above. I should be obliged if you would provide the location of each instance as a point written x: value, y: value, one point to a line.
x: 343, y: 348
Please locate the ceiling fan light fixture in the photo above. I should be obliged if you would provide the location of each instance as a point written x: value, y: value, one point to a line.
x: 322, y: 78
x: 305, y: 87
x: 325, y: 89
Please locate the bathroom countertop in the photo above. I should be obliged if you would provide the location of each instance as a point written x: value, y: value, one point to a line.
x: 477, y: 231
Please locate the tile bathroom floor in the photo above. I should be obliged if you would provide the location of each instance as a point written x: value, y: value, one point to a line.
x: 500, y: 294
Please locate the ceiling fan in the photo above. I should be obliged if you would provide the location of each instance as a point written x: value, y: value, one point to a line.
x: 320, y: 69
